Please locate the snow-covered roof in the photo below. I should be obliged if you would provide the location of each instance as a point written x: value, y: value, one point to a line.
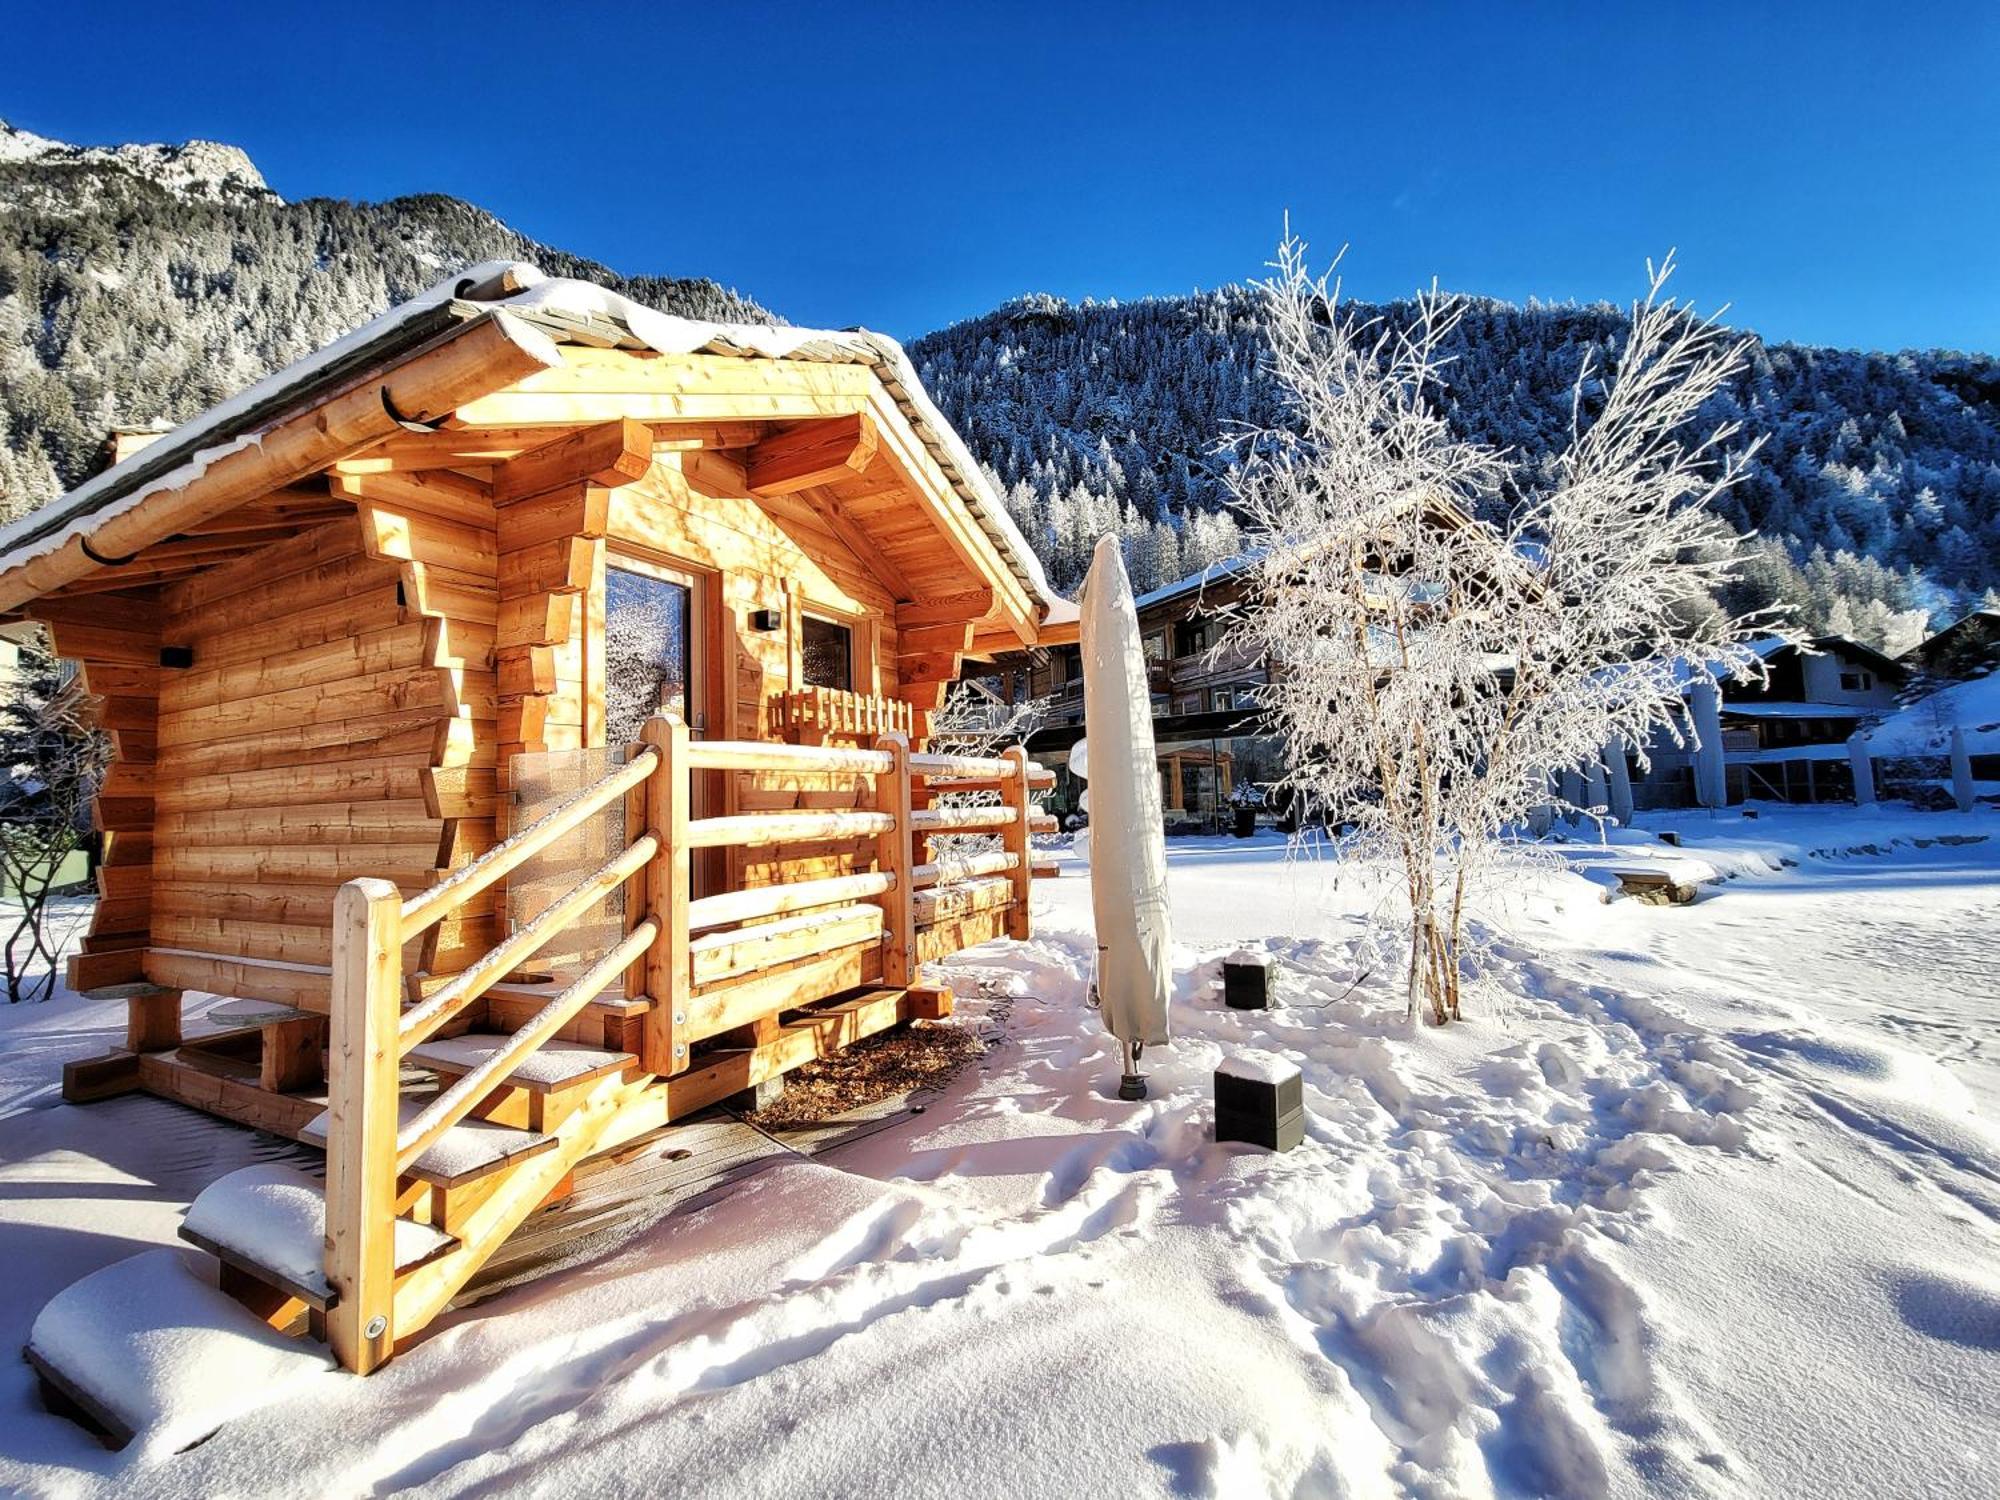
x: 1215, y: 572
x: 565, y: 310
x: 1797, y: 710
x: 1924, y: 727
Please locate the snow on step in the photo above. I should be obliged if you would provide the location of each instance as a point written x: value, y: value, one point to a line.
x: 548, y: 1067
x: 469, y: 1149
x: 272, y: 1218
x: 152, y: 1349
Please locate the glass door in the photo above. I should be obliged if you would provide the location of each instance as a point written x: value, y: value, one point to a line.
x: 653, y: 655
x: 656, y: 636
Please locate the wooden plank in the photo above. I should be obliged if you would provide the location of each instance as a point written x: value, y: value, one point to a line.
x: 725, y: 955
x: 415, y: 689
x: 441, y: 496
x: 220, y: 1091
x: 328, y: 822
x: 817, y: 1033
x: 740, y: 1002
x: 362, y: 652
x: 89, y: 971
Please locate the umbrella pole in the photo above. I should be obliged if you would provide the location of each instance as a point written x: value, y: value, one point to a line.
x: 1132, y: 1084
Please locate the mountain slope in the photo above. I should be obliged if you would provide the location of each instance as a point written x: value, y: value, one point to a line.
x: 1887, y: 466
x: 146, y: 283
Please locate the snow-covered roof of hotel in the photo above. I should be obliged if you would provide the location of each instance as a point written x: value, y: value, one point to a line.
x: 1786, y: 709
x: 563, y: 309
x: 1924, y: 727
x: 1216, y: 572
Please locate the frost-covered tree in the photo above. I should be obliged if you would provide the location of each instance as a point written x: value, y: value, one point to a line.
x: 1437, y: 667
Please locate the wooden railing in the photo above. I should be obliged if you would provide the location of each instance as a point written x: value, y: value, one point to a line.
x: 708, y: 965
x: 811, y: 715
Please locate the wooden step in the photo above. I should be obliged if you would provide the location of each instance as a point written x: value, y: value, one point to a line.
x: 610, y: 1021
x: 118, y: 1346
x: 269, y: 1222
x: 551, y: 1067
x: 468, y: 1151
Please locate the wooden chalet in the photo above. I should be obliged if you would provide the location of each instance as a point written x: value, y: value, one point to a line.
x: 520, y: 710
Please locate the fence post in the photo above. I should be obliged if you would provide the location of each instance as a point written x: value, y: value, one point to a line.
x: 663, y: 1042
x: 362, y: 1079
x: 894, y: 852
x: 1015, y: 838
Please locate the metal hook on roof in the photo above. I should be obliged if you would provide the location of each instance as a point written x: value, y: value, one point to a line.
x: 408, y: 424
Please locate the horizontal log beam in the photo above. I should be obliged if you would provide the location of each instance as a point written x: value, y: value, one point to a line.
x: 811, y: 454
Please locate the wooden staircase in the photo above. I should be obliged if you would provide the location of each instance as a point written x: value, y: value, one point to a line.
x: 458, y: 1105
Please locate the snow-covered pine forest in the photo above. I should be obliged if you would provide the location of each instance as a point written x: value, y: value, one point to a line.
x: 143, y: 284
x: 1877, y: 491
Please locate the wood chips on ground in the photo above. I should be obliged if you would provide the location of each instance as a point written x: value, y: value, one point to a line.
x: 921, y: 1055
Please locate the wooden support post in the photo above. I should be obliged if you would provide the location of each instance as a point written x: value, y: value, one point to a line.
x: 1015, y: 837
x: 663, y: 1043
x: 153, y: 1020
x: 361, y: 1133
x: 290, y: 1058
x: 895, y: 855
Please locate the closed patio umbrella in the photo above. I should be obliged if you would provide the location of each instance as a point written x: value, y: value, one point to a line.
x: 1128, y: 851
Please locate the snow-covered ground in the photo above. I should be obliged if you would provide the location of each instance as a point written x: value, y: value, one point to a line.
x: 1702, y: 1200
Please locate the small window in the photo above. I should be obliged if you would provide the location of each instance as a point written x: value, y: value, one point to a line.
x: 1856, y: 682
x: 1190, y: 638
x: 1187, y: 703
x: 1156, y: 649
x: 1222, y: 699
x: 826, y: 654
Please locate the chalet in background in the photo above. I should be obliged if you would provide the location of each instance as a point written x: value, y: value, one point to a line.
x: 520, y: 709
x: 1209, y: 741
x: 1785, y: 739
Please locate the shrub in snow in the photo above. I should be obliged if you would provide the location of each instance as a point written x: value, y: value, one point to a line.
x: 1436, y: 668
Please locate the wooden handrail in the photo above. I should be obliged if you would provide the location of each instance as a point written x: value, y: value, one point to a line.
x: 758, y: 755
x: 524, y: 942
x: 771, y: 900
x: 960, y: 867
x: 455, y: 1103
x: 960, y: 767
x: 442, y: 899
x: 757, y: 830
x: 962, y: 819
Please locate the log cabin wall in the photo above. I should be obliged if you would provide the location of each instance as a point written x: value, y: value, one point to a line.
x: 325, y: 730
x: 115, y: 641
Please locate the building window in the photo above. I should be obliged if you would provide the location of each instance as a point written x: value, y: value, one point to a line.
x: 1187, y: 703
x: 1222, y: 699
x: 1156, y: 649
x: 1856, y: 682
x: 1190, y: 637
x: 826, y: 654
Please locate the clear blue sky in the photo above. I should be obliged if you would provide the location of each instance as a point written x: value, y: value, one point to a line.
x: 1833, y: 171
